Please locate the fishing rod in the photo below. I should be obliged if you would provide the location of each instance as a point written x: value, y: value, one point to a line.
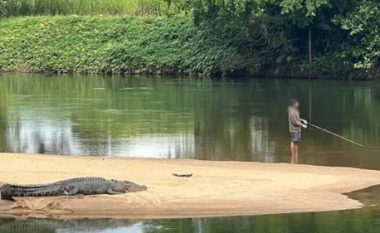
x: 339, y: 136
x: 332, y: 133
x: 343, y: 138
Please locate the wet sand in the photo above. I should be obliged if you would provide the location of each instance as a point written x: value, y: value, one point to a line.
x: 215, y: 189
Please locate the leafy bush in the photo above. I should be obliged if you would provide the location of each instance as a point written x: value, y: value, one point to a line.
x: 363, y: 26
x: 3, y: 8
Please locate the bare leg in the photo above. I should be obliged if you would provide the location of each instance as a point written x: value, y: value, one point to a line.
x: 292, y: 152
x: 296, y: 153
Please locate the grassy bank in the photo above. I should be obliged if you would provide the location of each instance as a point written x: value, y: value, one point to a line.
x: 109, y: 45
x: 91, y: 7
x: 151, y: 45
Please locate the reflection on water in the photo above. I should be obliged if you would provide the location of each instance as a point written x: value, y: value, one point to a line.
x: 353, y: 221
x: 204, y: 119
x: 366, y: 220
x: 72, y: 226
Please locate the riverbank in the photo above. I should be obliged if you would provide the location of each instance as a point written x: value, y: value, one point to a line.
x: 116, y: 45
x: 110, y: 45
x: 215, y: 189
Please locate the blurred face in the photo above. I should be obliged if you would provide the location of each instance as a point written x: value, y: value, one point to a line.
x: 296, y: 105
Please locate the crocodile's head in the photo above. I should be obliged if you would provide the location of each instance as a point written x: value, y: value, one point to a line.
x: 133, y: 187
x: 127, y: 186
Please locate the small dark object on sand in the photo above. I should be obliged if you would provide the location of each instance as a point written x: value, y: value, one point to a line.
x: 182, y: 175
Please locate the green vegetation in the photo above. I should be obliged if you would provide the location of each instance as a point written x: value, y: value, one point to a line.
x: 109, y: 45
x: 90, y: 7
x: 297, y: 38
x: 307, y: 37
x: 363, y: 25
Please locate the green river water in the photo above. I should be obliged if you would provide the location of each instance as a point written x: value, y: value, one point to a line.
x: 242, y: 120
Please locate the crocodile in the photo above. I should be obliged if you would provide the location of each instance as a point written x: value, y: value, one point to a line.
x: 74, y: 186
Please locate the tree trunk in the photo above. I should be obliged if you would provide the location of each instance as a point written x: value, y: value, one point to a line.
x: 310, y: 58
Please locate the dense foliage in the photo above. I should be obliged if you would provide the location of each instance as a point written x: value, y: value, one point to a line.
x: 338, y: 35
x: 363, y: 25
x: 3, y: 10
x: 315, y: 38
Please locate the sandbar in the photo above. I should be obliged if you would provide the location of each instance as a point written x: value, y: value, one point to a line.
x: 217, y: 188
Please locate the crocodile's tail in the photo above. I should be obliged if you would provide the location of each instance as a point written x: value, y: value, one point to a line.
x: 9, y: 191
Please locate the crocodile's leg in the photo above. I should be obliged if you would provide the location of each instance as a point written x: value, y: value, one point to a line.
x: 72, y: 189
x: 111, y: 192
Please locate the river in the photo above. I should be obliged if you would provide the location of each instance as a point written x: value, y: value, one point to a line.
x: 242, y: 120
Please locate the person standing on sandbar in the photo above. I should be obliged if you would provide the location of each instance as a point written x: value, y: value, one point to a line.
x: 295, y: 127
